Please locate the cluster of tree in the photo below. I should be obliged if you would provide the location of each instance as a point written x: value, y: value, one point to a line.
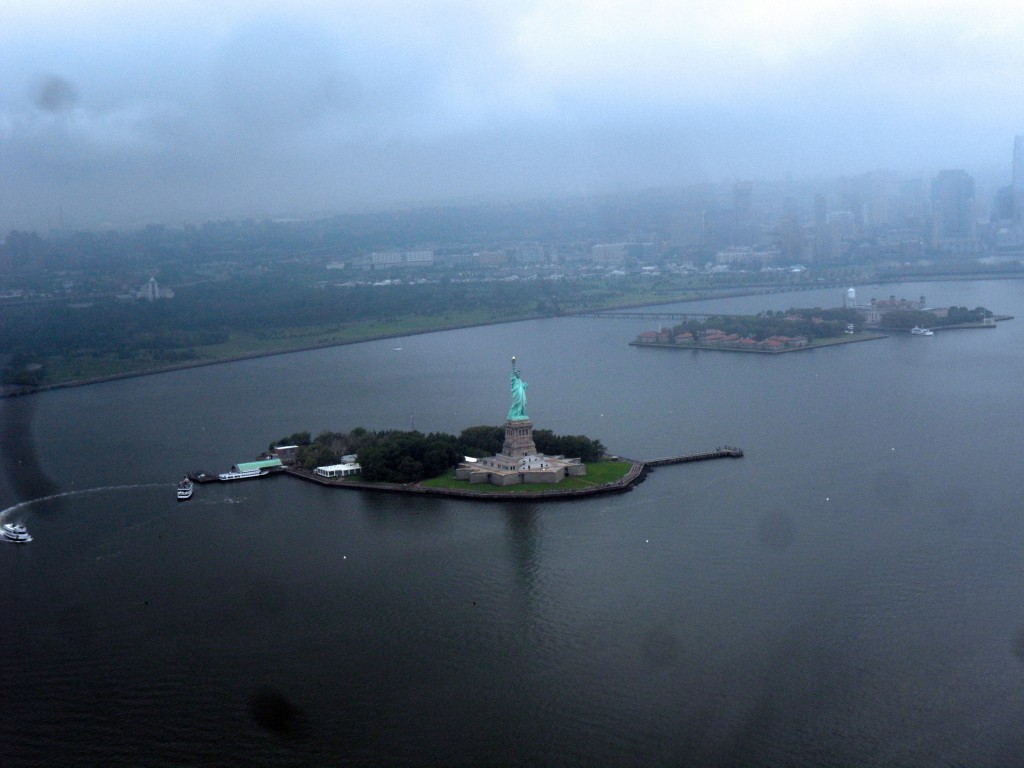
x: 904, y: 320
x: 482, y: 441
x: 327, y: 447
x: 487, y: 441
x: 813, y: 323
x: 575, y: 446
x: 395, y: 456
x: 957, y: 315
x: 406, y: 457
x: 268, y: 306
x: 20, y: 376
x: 108, y: 328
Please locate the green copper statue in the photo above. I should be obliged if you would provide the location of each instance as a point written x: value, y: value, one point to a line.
x: 518, y: 410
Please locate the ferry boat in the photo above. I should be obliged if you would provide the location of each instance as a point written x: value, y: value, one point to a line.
x: 185, y: 488
x: 15, y: 532
x: 918, y: 331
x: 235, y: 475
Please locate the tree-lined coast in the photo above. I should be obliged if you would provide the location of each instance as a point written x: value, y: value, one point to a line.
x: 396, y: 456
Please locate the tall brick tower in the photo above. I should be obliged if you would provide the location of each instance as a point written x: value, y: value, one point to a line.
x: 518, y: 439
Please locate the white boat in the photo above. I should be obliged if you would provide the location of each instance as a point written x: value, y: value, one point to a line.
x: 918, y: 331
x: 15, y: 532
x: 234, y: 475
x: 185, y: 488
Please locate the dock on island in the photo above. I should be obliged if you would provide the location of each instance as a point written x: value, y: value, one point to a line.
x: 240, y: 471
x: 724, y: 452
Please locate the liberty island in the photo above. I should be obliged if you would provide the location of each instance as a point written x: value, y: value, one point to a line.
x: 411, y: 462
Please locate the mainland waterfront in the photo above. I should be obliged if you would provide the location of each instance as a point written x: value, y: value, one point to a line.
x: 848, y: 592
x: 77, y: 308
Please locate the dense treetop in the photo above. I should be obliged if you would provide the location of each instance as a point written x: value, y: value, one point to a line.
x: 905, y: 320
x: 405, y: 457
x: 813, y: 323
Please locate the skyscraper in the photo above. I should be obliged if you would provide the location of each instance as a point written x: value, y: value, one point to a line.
x: 820, y: 232
x: 953, y: 218
x: 1018, y: 179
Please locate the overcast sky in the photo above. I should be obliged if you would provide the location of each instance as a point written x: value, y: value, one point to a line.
x: 125, y: 111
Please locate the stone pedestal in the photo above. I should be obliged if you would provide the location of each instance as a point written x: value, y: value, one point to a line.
x: 519, y: 461
x: 518, y: 439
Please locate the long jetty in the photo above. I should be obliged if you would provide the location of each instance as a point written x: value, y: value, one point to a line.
x: 725, y: 452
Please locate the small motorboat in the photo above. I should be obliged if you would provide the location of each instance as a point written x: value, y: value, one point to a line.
x: 185, y: 488
x: 918, y: 331
x: 15, y: 532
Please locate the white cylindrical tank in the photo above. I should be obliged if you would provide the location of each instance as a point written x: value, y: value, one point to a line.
x: 851, y: 298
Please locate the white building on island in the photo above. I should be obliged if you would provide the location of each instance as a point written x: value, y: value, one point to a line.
x: 339, y: 470
x: 152, y: 291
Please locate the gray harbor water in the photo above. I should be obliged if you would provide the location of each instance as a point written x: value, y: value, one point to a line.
x: 850, y: 592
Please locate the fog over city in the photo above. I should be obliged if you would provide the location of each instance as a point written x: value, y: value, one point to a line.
x: 127, y: 112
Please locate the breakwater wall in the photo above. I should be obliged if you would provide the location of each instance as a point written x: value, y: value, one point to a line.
x: 634, y: 475
x: 508, y: 493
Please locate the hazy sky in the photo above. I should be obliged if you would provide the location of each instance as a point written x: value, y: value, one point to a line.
x: 127, y: 110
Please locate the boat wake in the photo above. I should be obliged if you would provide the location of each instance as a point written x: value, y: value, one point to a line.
x: 70, y: 494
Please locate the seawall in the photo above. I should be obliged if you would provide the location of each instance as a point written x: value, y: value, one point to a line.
x: 636, y: 473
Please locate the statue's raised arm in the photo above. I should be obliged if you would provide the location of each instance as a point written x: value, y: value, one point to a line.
x: 518, y: 410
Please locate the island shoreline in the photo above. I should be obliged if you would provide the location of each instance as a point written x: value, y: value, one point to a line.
x: 634, y: 476
x: 723, y: 293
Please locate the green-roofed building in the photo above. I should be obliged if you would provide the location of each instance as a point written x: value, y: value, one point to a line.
x: 248, y: 466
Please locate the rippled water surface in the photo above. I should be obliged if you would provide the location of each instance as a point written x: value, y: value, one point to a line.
x: 847, y: 593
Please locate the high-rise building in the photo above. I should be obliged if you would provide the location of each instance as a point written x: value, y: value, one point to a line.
x: 953, y: 216
x: 820, y: 231
x: 841, y: 227
x: 743, y: 201
x: 1002, y: 205
x: 1007, y: 218
x: 744, y: 231
x: 687, y: 228
x: 1018, y: 179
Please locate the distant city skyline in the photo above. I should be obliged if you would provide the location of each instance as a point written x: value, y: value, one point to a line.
x: 171, y: 111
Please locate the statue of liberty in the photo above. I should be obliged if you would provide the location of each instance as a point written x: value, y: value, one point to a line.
x: 518, y: 410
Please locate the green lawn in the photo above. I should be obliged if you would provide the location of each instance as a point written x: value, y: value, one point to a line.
x: 84, y: 367
x: 598, y: 473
